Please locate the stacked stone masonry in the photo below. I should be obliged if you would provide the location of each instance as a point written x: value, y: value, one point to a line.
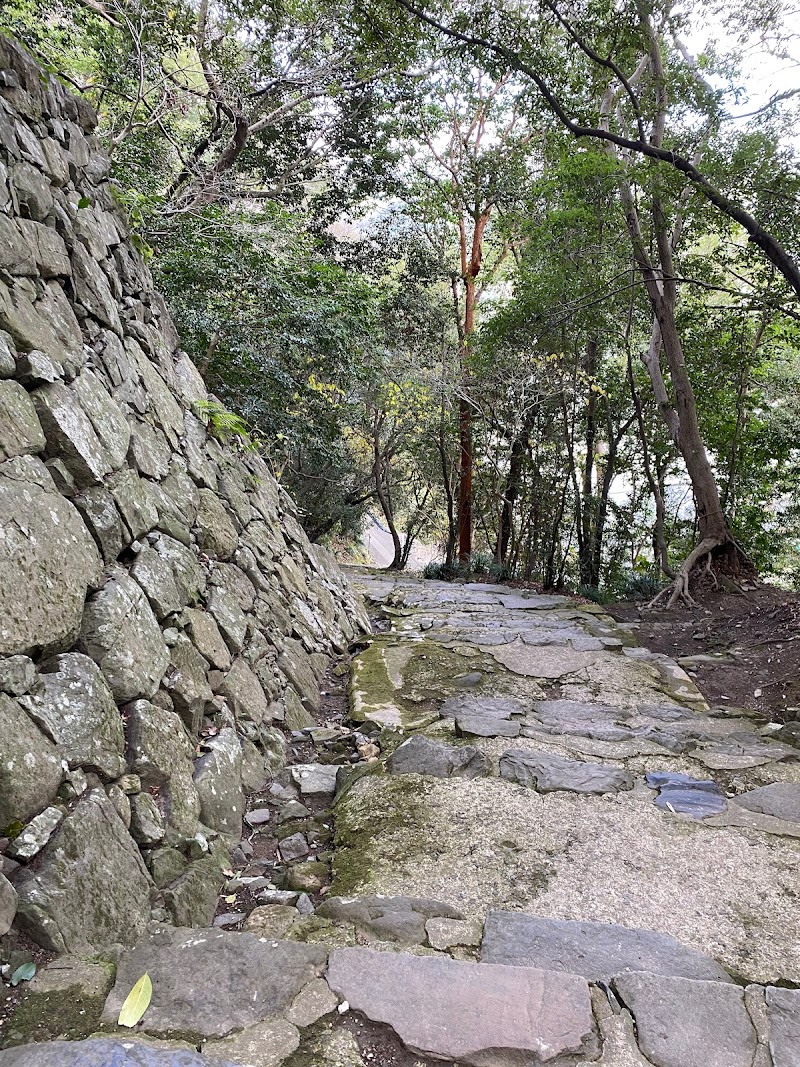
x: 163, y: 612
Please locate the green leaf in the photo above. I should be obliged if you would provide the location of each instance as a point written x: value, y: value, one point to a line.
x: 136, y: 1002
x: 23, y: 973
x: 85, y: 201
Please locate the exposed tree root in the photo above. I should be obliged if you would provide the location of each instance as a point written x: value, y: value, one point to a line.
x: 678, y: 589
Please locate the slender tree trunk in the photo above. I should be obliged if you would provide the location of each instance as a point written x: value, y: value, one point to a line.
x: 452, y: 527
x: 519, y: 449
x: 729, y: 492
x: 384, y: 499
x: 588, y: 509
x: 601, y: 505
x: 471, y: 255
x: 465, y: 481
x: 465, y: 428
x: 660, y: 554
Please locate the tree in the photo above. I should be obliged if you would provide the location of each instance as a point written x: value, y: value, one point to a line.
x: 611, y: 20
x: 639, y: 97
x: 472, y: 159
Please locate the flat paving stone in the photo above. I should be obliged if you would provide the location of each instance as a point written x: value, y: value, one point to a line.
x: 212, y: 982
x: 738, y: 756
x: 104, y: 1052
x: 532, y: 603
x: 684, y: 795
x: 475, y: 1014
x: 547, y: 773
x: 598, y: 951
x: 485, y: 716
x: 695, y: 802
x: 480, y: 724
x: 544, y: 661
x: 783, y: 1013
x: 781, y: 799
x: 266, y: 1044
x: 400, y: 919
x: 423, y: 755
x: 684, y: 1023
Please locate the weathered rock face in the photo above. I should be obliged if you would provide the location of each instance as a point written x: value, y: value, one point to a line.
x: 91, y: 885
x: 155, y: 586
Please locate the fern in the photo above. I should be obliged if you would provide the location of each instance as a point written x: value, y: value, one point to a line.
x: 226, y: 426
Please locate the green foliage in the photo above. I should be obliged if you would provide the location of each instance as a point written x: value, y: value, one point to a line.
x: 597, y: 596
x: 225, y: 425
x: 338, y: 350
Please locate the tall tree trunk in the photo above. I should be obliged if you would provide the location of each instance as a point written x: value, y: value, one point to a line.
x: 588, y: 515
x: 519, y: 449
x: 660, y: 554
x: 729, y: 492
x: 464, y: 481
x: 471, y: 255
x: 384, y: 499
x: 601, y: 499
x: 658, y: 275
x: 446, y: 465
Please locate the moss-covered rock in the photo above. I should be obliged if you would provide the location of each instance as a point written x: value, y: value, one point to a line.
x: 69, y: 1013
x: 365, y: 816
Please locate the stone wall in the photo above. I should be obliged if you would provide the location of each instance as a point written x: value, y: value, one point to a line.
x: 163, y: 617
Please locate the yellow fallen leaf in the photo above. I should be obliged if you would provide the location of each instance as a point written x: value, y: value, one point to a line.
x: 231, y: 899
x: 137, y: 1002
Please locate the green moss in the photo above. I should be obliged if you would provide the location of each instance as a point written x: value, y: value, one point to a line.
x: 310, y: 1052
x: 403, y: 685
x: 314, y: 930
x: 304, y: 826
x: 368, y: 825
x: 307, y: 877
x: 66, y: 1013
x: 355, y: 774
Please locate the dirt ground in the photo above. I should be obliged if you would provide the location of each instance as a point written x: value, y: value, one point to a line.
x: 753, y: 637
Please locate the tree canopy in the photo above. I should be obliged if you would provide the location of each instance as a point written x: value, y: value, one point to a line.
x: 521, y: 281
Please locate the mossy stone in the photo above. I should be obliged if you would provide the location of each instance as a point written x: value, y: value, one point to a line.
x: 307, y: 877
x: 68, y: 1013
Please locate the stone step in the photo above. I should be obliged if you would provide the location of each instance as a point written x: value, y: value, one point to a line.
x: 476, y: 1014
x: 598, y: 951
x: 210, y: 983
x: 685, y: 1023
x: 104, y: 1052
x: 223, y: 999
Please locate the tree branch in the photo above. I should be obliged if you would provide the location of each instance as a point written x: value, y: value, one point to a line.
x: 768, y: 244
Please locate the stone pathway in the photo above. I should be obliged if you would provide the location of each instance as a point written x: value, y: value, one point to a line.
x: 553, y: 853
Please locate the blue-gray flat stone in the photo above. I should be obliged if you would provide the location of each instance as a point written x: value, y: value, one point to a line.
x: 598, y: 951
x: 674, y: 780
x: 100, y: 1052
x: 696, y: 802
x: 684, y: 795
x: 546, y: 773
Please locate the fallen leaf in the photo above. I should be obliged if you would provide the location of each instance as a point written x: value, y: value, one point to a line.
x: 23, y: 973
x: 137, y: 1002
x: 231, y: 899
